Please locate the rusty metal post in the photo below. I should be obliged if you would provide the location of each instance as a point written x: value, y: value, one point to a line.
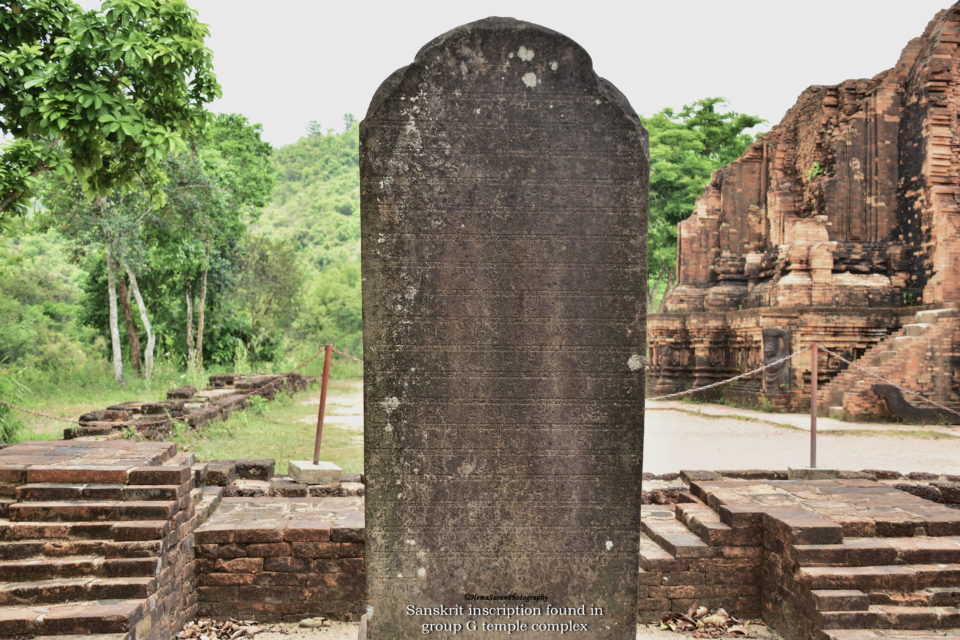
x: 813, y: 406
x: 328, y: 350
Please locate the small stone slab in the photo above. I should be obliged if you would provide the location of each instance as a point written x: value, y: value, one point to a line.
x: 255, y: 469
x: 304, y: 471
x: 807, y: 473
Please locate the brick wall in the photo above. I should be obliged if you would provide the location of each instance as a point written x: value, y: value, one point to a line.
x: 688, y: 557
x: 277, y: 560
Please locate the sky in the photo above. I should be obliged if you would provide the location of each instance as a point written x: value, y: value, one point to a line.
x: 285, y: 63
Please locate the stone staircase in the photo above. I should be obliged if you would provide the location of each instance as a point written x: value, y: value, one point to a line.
x: 97, y: 546
x: 903, y: 358
x: 688, y: 556
x: 820, y: 560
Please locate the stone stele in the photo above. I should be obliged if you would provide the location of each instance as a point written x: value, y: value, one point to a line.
x: 504, y: 205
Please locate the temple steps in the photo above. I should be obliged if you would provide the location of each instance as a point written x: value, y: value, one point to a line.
x: 46, y: 492
x: 661, y: 526
x: 708, y: 525
x: 849, y: 395
x: 76, y: 566
x: 896, y: 617
x: 905, y: 577
x: 82, y: 618
x: 882, y: 634
x: 130, y: 530
x: 61, y: 590
x: 54, y: 548
x: 881, y: 551
x: 88, y: 636
x: 112, y: 510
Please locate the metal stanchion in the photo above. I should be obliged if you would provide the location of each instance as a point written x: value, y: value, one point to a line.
x: 813, y: 405
x: 323, y: 402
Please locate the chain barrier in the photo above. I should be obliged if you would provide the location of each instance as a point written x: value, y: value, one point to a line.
x: 733, y: 379
x: 167, y: 420
x: 668, y: 396
x: 36, y: 413
x: 891, y: 383
x: 347, y: 355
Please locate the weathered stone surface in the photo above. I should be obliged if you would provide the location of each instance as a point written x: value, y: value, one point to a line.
x: 305, y: 472
x: 503, y: 193
x: 830, y: 227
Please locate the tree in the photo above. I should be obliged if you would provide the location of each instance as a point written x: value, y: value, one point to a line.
x: 214, y: 192
x: 686, y: 147
x: 111, y: 224
x: 103, y: 96
x: 269, y: 291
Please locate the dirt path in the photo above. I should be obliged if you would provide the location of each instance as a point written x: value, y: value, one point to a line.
x: 681, y: 435
x: 344, y: 406
x: 694, y: 436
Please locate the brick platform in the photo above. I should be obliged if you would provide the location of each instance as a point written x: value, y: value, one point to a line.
x: 97, y: 537
x: 282, y: 559
x: 815, y: 558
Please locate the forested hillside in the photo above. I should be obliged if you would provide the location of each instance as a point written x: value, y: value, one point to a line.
x: 316, y: 211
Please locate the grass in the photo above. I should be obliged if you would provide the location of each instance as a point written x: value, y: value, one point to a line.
x: 70, y: 394
x: 284, y: 431
x: 921, y: 434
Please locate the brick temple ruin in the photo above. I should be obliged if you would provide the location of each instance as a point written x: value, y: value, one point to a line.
x: 830, y: 227
x: 122, y: 540
x: 841, y: 225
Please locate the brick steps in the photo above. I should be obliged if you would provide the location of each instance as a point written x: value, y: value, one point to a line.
x: 67, y: 590
x: 849, y: 393
x: 46, y: 492
x: 878, y: 634
x: 930, y: 597
x: 662, y: 527
x: 709, y: 527
x: 50, y: 568
x: 113, y: 531
x: 893, y: 617
x: 653, y: 557
x: 857, y: 600
x: 98, y: 616
x: 89, y: 636
x: 112, y: 510
x: 53, y: 548
x: 881, y: 551
x: 905, y: 577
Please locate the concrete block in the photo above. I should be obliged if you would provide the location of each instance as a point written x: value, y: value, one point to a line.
x: 305, y: 472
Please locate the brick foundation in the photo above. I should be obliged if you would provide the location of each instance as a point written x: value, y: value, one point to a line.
x: 282, y: 559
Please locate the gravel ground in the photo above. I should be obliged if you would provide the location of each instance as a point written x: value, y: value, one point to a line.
x: 348, y: 631
x: 707, y: 436
x: 680, y: 435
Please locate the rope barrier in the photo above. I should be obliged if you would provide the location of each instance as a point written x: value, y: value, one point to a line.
x: 733, y: 379
x: 668, y: 396
x: 36, y: 413
x: 893, y: 384
x: 347, y: 355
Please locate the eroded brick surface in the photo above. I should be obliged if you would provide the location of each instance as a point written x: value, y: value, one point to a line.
x: 282, y: 559
x: 813, y: 558
x: 831, y: 227
x: 98, y: 538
